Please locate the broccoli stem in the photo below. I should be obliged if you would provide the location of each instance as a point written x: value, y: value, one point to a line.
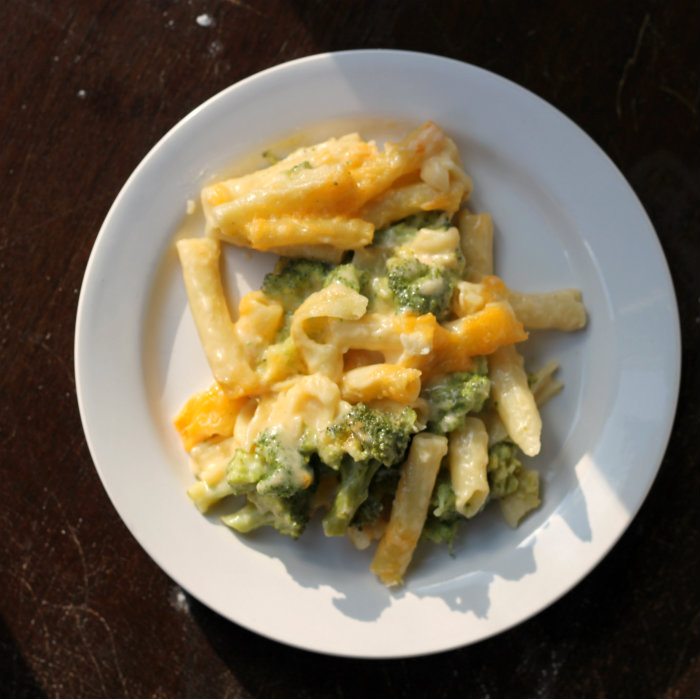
x: 352, y: 492
x: 248, y: 518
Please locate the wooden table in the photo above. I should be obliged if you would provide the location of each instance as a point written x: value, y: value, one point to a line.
x: 88, y: 87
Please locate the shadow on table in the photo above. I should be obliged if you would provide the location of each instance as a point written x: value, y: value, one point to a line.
x: 16, y: 677
x: 266, y: 667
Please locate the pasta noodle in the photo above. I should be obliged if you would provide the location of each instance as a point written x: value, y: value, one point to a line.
x: 562, y: 309
x: 381, y: 381
x: 374, y: 379
x: 514, y: 401
x: 477, y: 243
x: 468, y: 462
x: 410, y: 508
x: 200, y: 265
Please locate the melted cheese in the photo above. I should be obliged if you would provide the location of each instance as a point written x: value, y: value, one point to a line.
x: 435, y: 248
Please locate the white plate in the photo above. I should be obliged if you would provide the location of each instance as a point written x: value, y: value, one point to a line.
x: 564, y: 217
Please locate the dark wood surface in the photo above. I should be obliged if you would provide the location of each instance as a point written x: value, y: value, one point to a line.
x: 87, y: 88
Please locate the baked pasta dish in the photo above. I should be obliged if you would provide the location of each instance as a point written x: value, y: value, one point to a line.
x: 374, y: 384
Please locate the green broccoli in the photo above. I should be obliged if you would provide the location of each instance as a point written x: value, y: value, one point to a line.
x: 450, y: 398
x: 272, y: 468
x: 289, y: 515
x: 293, y: 280
x: 357, y: 445
x: 355, y: 478
x: 504, y: 469
x: 283, y: 353
x: 365, y: 434
x: 524, y: 499
x: 350, y: 275
x: 372, y: 259
x: 443, y: 502
x: 278, y: 482
x: 443, y: 519
x: 381, y: 491
x: 405, y: 230
x: 419, y: 287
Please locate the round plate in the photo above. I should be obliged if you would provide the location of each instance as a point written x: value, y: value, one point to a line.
x: 564, y: 217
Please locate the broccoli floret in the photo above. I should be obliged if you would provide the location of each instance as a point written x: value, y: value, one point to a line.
x: 357, y: 446
x: 371, y: 261
x: 373, y: 258
x: 403, y: 231
x: 271, y: 468
x: 417, y: 283
x: 443, y: 519
x: 288, y: 468
x: 440, y: 531
x: 524, y: 499
x: 452, y: 397
x: 420, y: 288
x: 244, y: 471
x: 278, y: 482
x: 504, y: 469
x: 293, y: 280
x: 355, y: 477
x: 365, y: 434
x: 381, y: 491
x: 350, y: 275
x: 443, y: 503
x: 282, y: 358
x: 289, y: 515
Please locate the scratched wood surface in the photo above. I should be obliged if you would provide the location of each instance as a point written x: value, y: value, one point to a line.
x: 87, y: 88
